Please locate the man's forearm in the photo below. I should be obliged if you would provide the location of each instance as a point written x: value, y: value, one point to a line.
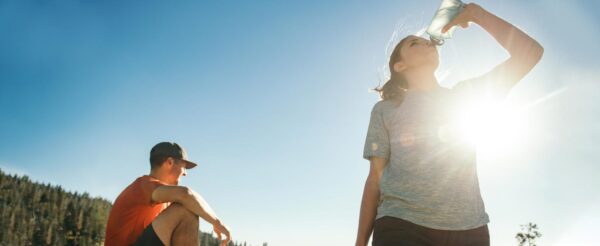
x: 197, y: 205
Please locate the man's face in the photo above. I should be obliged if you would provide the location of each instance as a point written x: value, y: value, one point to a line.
x: 177, y: 170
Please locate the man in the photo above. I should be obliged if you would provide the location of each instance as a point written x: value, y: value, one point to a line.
x: 154, y: 210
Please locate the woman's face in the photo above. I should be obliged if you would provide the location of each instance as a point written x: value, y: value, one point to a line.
x: 417, y: 52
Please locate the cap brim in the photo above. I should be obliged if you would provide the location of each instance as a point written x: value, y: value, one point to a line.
x: 189, y: 164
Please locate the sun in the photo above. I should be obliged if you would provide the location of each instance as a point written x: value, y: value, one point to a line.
x: 493, y: 127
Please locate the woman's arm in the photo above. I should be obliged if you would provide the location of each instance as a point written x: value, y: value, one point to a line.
x: 525, y: 52
x: 370, y: 199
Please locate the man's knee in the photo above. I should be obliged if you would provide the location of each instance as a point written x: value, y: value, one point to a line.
x: 171, y: 218
x: 182, y: 211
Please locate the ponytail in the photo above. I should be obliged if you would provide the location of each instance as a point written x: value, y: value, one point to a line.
x: 395, y: 88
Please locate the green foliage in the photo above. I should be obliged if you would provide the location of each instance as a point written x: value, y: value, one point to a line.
x: 43, y: 214
x: 529, y: 233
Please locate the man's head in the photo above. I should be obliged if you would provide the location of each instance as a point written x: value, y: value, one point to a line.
x: 170, y: 161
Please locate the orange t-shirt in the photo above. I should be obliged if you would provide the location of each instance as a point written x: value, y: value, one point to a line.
x: 133, y: 211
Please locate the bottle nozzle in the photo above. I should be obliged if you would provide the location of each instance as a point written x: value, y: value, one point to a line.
x: 436, y: 41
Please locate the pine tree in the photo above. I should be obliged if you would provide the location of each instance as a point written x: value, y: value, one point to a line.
x: 45, y: 214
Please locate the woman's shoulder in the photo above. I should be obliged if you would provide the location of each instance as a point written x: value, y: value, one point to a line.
x: 383, y: 106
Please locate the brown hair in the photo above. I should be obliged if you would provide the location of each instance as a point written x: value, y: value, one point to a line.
x: 396, y: 86
x: 156, y: 161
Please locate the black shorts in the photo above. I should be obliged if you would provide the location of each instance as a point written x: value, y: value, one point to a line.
x: 148, y: 238
x: 390, y: 231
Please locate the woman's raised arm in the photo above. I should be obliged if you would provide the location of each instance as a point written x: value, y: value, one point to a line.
x: 525, y: 52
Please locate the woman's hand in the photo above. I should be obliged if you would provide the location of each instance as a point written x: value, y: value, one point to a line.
x: 470, y: 13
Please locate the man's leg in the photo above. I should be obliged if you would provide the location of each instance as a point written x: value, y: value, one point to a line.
x: 176, y: 225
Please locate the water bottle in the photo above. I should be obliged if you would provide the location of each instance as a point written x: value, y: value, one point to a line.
x: 446, y: 13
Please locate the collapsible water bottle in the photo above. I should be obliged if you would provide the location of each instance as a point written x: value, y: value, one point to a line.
x: 446, y: 13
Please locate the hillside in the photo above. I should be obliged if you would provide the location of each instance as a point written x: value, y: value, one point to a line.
x: 42, y: 214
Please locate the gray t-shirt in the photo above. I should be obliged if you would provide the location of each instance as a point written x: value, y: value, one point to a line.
x: 431, y: 177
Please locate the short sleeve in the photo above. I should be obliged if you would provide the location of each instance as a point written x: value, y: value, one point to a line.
x: 378, y: 141
x: 147, y: 187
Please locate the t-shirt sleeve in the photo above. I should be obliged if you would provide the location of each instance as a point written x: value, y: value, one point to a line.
x: 378, y: 141
x: 147, y: 187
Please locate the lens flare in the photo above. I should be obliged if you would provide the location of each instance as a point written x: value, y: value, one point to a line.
x: 492, y: 127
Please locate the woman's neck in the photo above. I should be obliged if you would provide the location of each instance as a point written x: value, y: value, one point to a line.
x: 421, y: 80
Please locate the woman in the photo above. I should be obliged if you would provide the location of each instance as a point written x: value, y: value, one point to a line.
x: 422, y: 188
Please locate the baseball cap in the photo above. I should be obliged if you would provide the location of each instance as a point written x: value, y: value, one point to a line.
x: 170, y: 149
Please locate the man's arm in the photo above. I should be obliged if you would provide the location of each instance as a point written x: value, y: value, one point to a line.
x: 370, y: 199
x: 525, y: 52
x: 186, y: 197
x: 192, y: 201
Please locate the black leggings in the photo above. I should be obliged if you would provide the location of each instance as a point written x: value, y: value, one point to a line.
x: 390, y: 231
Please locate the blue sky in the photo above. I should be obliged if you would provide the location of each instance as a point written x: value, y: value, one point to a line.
x: 272, y: 100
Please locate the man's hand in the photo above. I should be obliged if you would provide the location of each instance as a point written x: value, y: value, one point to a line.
x: 221, y: 229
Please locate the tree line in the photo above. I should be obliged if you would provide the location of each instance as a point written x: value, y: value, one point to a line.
x: 34, y: 213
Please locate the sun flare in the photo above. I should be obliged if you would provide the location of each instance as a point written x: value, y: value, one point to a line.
x: 493, y: 128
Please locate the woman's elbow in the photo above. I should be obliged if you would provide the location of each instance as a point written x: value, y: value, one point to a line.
x: 372, y: 182
x: 539, y: 52
x: 534, y: 50
x: 531, y: 56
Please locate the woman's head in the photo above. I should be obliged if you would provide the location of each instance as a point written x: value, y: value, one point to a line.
x: 413, y: 52
x: 410, y: 53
